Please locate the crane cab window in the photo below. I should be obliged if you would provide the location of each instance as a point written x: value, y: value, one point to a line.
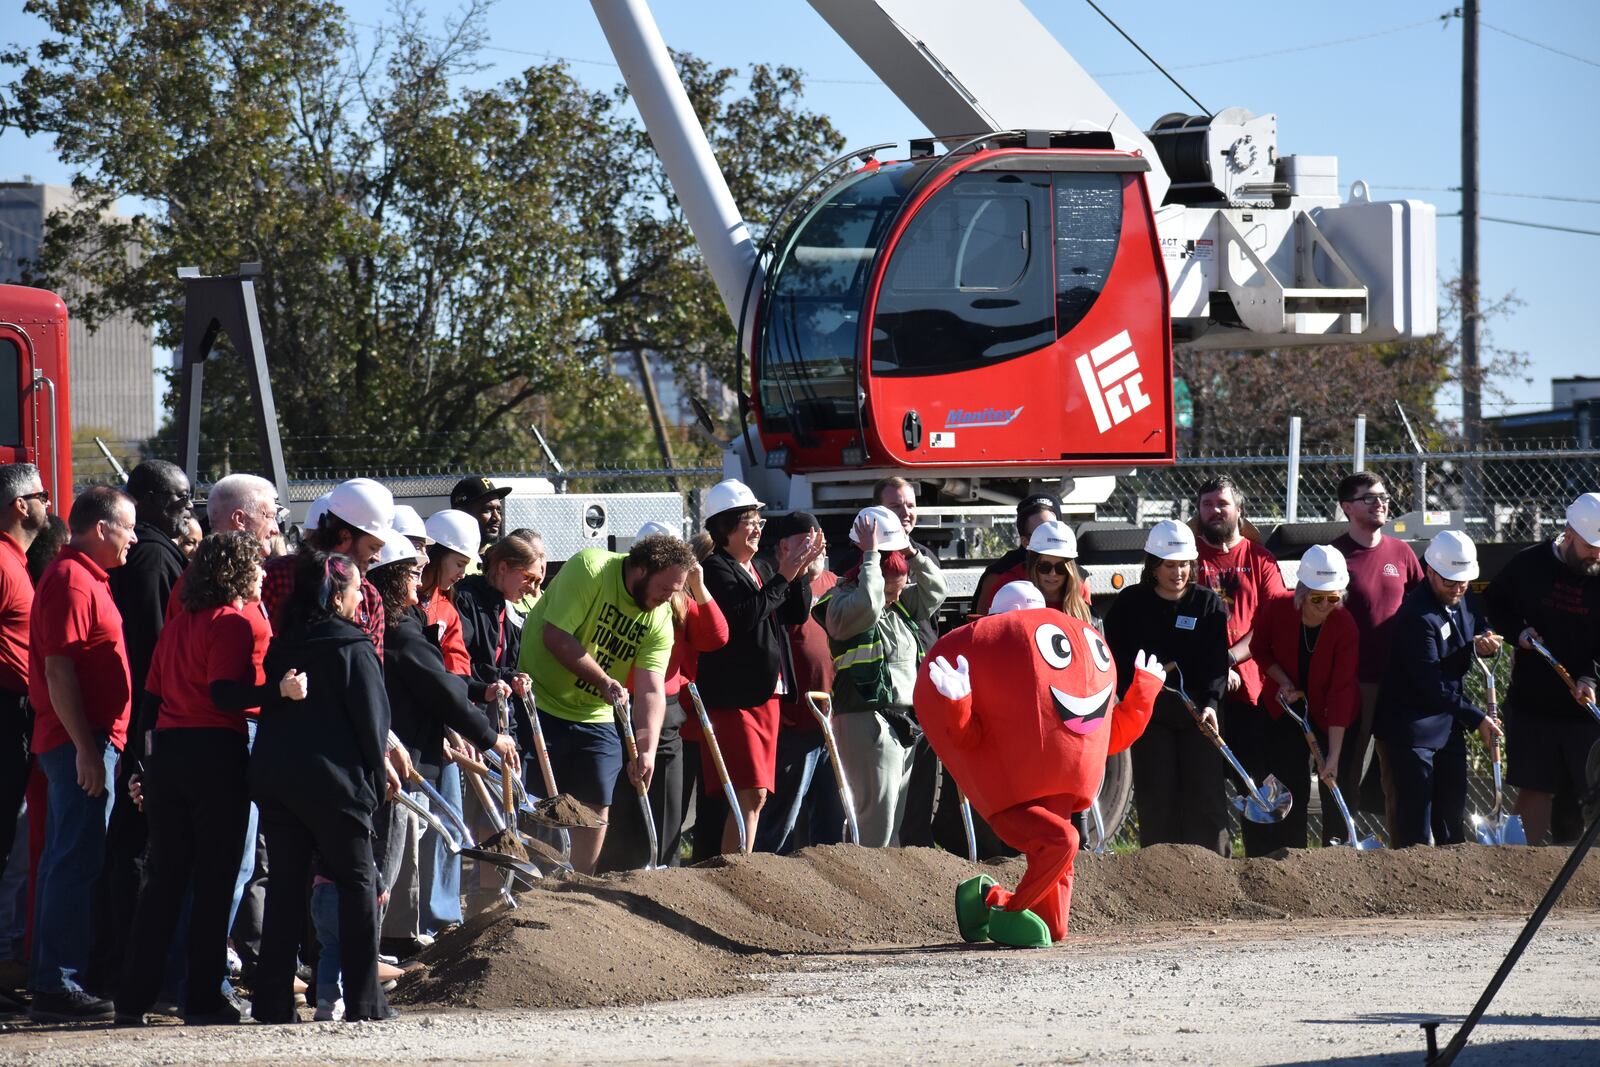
x: 10, y: 394
x: 970, y: 281
x: 1088, y: 218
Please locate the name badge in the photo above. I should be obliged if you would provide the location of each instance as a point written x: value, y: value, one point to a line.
x: 1186, y: 622
x: 1444, y: 630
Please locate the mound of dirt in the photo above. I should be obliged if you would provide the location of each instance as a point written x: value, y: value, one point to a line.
x: 704, y: 931
x: 564, y: 810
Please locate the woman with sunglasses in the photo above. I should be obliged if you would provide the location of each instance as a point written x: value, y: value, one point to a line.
x: 1178, y: 777
x: 1052, y: 547
x: 1308, y: 649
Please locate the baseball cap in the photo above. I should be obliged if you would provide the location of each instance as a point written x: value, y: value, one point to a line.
x: 473, y: 488
x: 1034, y: 503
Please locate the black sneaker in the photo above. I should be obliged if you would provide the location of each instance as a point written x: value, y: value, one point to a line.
x: 231, y: 1011
x: 70, y: 1006
x: 132, y: 1018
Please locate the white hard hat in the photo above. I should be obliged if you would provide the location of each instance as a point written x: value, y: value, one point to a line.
x: 1583, y: 515
x: 409, y: 523
x: 653, y: 529
x: 1170, y: 539
x: 728, y: 494
x: 1323, y: 569
x: 397, y: 548
x: 315, y: 510
x: 364, y: 504
x: 1016, y: 596
x: 1054, y: 539
x: 455, y: 530
x: 891, y: 535
x: 1453, y: 555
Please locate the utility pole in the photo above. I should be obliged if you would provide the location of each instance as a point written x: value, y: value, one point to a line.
x: 1471, y: 373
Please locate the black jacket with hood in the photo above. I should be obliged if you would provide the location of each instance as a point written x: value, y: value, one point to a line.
x: 480, y: 606
x: 326, y: 752
x: 424, y: 698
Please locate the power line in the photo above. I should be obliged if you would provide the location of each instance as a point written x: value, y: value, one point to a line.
x: 1485, y: 192
x: 1529, y: 225
x: 1147, y: 56
x: 1287, y: 51
x: 1538, y: 44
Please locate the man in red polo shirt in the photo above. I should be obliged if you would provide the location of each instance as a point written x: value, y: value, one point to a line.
x: 24, y: 511
x: 81, y: 695
x: 1246, y: 576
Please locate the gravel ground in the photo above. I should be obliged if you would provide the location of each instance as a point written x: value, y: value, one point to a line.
x: 1237, y: 993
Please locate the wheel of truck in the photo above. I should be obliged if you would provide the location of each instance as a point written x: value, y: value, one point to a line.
x: 1116, y: 793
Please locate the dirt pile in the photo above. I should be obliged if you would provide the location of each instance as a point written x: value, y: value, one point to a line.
x: 702, y: 931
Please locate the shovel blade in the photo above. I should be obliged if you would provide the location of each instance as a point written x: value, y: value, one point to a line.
x: 1270, y: 803
x: 1512, y: 832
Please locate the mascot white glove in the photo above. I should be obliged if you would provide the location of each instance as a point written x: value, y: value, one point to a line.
x: 1144, y: 661
x: 953, y: 683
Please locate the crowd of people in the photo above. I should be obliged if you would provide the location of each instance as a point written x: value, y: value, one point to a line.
x: 204, y: 736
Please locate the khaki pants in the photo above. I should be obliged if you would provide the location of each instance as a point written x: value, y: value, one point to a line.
x: 878, y: 768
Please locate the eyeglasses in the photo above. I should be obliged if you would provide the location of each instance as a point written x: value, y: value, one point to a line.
x: 1324, y: 598
x: 754, y: 522
x: 1370, y: 499
x: 42, y: 496
x: 1062, y: 567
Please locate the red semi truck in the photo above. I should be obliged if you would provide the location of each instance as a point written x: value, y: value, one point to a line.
x: 35, y: 402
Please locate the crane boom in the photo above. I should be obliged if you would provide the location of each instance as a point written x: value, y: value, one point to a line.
x: 963, y: 71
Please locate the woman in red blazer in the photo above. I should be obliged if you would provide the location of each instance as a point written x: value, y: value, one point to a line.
x: 1307, y: 648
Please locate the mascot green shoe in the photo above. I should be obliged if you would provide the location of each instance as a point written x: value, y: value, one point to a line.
x: 1022, y: 929
x: 972, y: 909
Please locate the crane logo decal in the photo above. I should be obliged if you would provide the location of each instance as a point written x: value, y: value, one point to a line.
x: 1113, y: 381
x: 963, y: 419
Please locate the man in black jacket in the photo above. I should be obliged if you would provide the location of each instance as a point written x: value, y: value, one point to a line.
x: 1550, y: 592
x: 162, y: 502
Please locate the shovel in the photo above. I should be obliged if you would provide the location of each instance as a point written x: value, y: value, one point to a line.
x: 710, y: 741
x: 625, y: 720
x: 505, y: 836
x: 1100, y: 843
x: 458, y: 839
x: 821, y: 705
x: 966, y: 824
x: 1353, y: 837
x: 1572, y: 687
x: 1267, y: 803
x: 546, y: 772
x: 1499, y: 827
x: 524, y: 809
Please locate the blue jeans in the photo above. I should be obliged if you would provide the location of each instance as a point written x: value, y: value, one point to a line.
x: 14, y: 893
x: 74, y: 848
x: 439, y: 871
x: 325, y: 919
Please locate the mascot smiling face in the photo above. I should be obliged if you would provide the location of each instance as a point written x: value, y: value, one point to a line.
x: 1077, y: 664
x: 1041, y: 715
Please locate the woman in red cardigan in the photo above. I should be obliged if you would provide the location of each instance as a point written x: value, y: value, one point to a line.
x: 1307, y: 648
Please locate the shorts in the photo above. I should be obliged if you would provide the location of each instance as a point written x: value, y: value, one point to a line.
x: 1542, y: 750
x: 586, y: 757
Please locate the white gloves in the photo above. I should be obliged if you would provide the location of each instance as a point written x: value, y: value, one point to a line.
x: 952, y: 682
x: 1147, y: 662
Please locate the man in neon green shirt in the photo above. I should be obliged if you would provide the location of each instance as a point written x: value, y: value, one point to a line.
x: 600, y: 637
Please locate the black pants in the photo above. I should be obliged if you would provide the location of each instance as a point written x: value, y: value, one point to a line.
x: 1430, y: 792
x: 917, y: 826
x: 627, y: 845
x: 16, y: 730
x: 343, y: 848
x: 122, y: 874
x: 1178, y: 779
x: 197, y: 805
x: 1268, y: 746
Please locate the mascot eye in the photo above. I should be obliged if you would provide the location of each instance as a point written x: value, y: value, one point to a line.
x: 1099, y: 652
x: 1053, y: 646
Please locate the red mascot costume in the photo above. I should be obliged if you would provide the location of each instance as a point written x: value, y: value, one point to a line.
x: 1022, y: 709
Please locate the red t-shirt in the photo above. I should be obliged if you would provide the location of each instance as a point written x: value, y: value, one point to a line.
x: 74, y: 616
x: 16, y: 604
x: 196, y: 649
x: 1245, y: 576
x: 437, y: 610
x: 1380, y: 578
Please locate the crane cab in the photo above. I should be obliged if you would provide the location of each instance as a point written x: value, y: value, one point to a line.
x: 995, y: 307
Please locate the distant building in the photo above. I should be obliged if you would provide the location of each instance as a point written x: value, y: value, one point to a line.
x: 1573, y: 415
x: 677, y: 407
x: 113, y: 368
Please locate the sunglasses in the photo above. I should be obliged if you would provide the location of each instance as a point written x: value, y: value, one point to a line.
x: 1370, y: 499
x: 1324, y: 598
x: 42, y: 495
x: 1061, y: 567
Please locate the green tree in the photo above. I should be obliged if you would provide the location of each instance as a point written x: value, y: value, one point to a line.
x: 444, y: 266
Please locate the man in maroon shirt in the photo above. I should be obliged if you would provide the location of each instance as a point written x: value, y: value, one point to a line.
x: 1246, y: 576
x: 24, y: 511
x: 1382, y: 571
x: 81, y: 695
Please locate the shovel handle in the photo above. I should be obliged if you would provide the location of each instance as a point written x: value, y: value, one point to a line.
x: 710, y: 734
x: 629, y: 742
x: 1309, y: 734
x: 508, y: 800
x: 541, y: 752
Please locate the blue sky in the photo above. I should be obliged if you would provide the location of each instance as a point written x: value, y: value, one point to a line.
x: 1377, y: 84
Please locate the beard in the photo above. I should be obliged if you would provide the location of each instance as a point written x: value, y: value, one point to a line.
x: 1220, y: 530
x: 1583, y: 568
